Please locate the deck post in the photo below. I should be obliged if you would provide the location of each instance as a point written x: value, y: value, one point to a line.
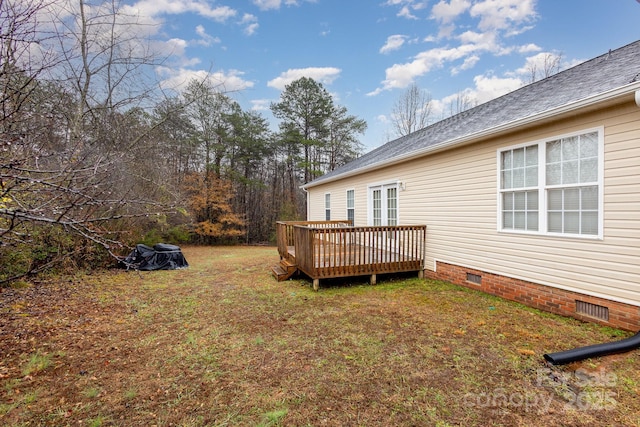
x: 421, y: 274
x: 316, y: 284
x: 373, y: 279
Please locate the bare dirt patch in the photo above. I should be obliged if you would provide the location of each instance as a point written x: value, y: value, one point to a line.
x: 222, y: 343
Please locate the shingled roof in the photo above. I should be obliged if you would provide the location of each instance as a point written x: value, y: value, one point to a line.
x: 575, y: 86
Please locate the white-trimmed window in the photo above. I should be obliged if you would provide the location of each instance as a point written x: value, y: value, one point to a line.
x: 553, y: 186
x: 327, y: 206
x: 383, y: 204
x: 351, y: 206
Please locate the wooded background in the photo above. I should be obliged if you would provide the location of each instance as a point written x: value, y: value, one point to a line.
x: 96, y: 155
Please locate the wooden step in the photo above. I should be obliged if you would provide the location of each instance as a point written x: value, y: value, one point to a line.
x: 277, y: 272
x: 288, y: 266
x: 284, y: 270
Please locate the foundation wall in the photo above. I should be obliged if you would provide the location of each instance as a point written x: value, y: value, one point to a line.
x: 554, y: 300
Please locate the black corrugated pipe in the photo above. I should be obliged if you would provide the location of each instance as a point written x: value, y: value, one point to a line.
x: 596, y: 350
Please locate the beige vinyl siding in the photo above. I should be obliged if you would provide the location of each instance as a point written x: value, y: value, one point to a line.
x: 455, y: 194
x: 338, y: 203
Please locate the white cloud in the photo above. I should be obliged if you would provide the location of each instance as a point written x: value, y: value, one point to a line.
x: 324, y: 75
x: 491, y: 87
x: 407, y: 7
x: 175, y: 50
x: 177, y: 46
x: 402, y: 75
x: 276, y: 4
x: 251, y: 22
x: 57, y: 11
x: 143, y: 31
x: 503, y: 14
x: 202, y: 32
x: 531, y: 47
x: 267, y: 4
x: 251, y: 29
x: 144, y: 17
x: 394, y: 42
x: 177, y: 7
x: 405, y: 12
x: 446, y: 31
x: 224, y: 81
x: 141, y: 20
x: 486, y: 88
x: 260, y: 104
x: 382, y: 118
x: 248, y: 18
x: 468, y: 63
x: 448, y: 12
x: 487, y: 40
x: 495, y: 20
x: 205, y: 39
x: 134, y: 32
x: 128, y: 19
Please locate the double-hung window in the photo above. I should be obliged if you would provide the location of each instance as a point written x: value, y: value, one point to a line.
x: 553, y: 186
x: 520, y: 193
x: 351, y: 205
x: 572, y: 185
x: 327, y: 206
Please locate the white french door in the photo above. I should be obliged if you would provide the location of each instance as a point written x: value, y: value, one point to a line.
x: 383, y: 205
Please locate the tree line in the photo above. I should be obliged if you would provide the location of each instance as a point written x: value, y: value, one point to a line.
x: 96, y: 155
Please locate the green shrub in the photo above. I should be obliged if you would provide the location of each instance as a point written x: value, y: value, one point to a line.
x: 174, y: 235
x: 179, y: 234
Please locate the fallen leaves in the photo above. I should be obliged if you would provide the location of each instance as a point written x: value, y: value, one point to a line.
x: 220, y: 343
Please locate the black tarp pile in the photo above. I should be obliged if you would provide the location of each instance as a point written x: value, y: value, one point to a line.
x: 159, y: 257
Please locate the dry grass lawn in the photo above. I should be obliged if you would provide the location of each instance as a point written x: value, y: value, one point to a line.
x: 223, y: 344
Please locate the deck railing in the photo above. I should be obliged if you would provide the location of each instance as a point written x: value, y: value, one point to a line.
x: 334, y: 248
x: 284, y: 232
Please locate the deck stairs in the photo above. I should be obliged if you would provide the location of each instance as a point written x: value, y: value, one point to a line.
x: 284, y: 270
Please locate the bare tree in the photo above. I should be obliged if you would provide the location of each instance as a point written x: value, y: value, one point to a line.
x: 543, y: 66
x: 18, y: 71
x: 75, y: 153
x: 461, y: 102
x: 411, y: 111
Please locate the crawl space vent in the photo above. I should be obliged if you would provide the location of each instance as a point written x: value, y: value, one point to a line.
x: 592, y: 310
x: 474, y: 278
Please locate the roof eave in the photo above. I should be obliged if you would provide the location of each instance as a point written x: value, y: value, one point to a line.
x: 505, y: 127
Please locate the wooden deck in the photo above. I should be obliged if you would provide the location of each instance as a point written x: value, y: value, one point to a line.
x: 326, y: 249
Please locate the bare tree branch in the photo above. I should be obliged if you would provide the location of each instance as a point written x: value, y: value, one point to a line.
x: 411, y: 111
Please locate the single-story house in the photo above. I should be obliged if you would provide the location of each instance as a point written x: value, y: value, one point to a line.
x: 533, y: 196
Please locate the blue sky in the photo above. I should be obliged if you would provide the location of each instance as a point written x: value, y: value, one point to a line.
x: 366, y: 52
